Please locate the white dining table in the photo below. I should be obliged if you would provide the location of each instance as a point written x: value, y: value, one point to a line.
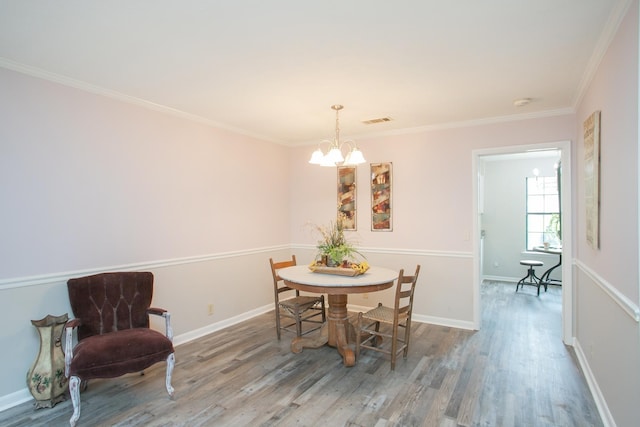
x: 337, y: 331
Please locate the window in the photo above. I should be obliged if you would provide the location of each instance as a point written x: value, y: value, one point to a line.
x: 543, y: 211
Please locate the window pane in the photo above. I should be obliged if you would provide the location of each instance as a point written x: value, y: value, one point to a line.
x: 551, y: 228
x: 535, y: 223
x: 552, y: 239
x: 534, y: 186
x: 534, y: 239
x: 550, y: 185
x: 535, y: 204
x: 543, y: 207
x: 551, y: 203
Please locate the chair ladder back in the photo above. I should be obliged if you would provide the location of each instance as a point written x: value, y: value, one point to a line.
x: 369, y: 332
x: 278, y: 283
x: 405, y: 291
x: 295, y: 310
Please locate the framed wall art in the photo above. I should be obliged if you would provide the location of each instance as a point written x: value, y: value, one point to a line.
x: 381, y: 200
x: 347, y: 196
x: 591, y: 130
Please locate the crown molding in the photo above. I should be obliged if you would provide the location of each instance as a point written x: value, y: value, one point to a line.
x: 98, y: 90
x: 606, y: 37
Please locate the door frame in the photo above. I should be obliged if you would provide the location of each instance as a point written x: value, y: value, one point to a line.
x: 567, y: 220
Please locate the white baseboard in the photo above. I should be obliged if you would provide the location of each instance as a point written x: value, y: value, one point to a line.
x: 501, y: 279
x: 441, y: 321
x: 358, y: 308
x: 15, y: 399
x: 601, y: 404
x: 444, y: 321
x: 214, y: 327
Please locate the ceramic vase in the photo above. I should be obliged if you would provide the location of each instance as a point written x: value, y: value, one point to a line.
x: 46, y: 380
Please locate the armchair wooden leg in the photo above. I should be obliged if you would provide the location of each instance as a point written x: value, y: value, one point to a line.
x: 74, y: 391
x: 171, y: 361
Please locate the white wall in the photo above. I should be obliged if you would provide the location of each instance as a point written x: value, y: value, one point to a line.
x: 504, y: 216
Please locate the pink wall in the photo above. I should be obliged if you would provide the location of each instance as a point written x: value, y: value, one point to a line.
x: 432, y: 183
x: 614, y: 91
x: 93, y: 182
x: 607, y: 330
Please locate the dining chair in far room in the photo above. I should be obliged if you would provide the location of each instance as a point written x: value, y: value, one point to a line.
x: 292, y: 309
x: 387, y: 339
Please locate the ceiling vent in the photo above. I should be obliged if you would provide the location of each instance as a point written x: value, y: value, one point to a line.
x: 374, y: 121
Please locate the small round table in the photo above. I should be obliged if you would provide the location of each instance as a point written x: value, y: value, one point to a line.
x: 337, y: 330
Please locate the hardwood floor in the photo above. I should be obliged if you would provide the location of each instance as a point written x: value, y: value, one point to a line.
x: 515, y: 371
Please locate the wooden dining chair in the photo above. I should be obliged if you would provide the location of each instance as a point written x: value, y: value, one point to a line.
x: 291, y: 307
x: 368, y: 332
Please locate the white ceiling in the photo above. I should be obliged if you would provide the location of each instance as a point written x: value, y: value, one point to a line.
x: 273, y: 68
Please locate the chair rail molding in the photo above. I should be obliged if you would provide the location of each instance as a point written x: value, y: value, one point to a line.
x: 19, y: 282
x: 625, y: 303
x: 399, y: 251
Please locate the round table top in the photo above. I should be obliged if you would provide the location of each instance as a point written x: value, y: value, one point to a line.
x: 376, y: 278
x: 556, y: 250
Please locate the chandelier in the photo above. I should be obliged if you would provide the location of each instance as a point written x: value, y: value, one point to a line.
x: 333, y: 156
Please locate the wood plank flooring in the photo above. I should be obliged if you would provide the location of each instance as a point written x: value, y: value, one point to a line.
x: 515, y: 371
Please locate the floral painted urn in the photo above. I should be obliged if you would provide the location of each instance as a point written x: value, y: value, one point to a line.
x: 46, y: 379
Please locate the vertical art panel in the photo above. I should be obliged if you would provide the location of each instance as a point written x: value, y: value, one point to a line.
x: 347, y: 196
x: 381, y: 206
x: 592, y: 177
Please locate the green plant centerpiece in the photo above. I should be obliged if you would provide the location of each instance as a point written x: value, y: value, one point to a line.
x: 334, y: 250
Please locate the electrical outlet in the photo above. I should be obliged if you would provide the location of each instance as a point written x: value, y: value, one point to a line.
x: 210, y: 308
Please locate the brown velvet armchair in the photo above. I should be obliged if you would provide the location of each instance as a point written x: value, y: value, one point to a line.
x: 112, y: 319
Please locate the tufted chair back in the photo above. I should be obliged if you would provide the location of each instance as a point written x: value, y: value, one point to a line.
x: 110, y: 302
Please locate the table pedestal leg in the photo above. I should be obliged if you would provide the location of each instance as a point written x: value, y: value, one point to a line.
x: 299, y: 343
x: 336, y: 332
x: 546, y: 279
x: 340, y: 329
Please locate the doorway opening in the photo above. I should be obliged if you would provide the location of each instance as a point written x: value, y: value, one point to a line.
x: 563, y: 148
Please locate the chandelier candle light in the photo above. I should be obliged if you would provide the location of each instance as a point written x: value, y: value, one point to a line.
x: 334, y: 156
